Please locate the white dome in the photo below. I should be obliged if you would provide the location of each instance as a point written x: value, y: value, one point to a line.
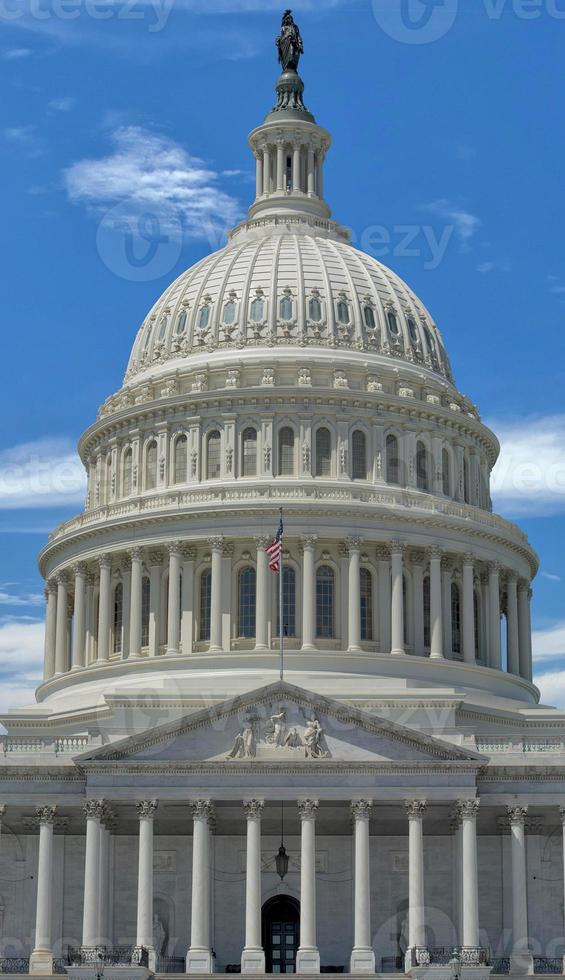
x: 282, y: 288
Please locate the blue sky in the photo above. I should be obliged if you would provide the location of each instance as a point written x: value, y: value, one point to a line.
x: 447, y: 164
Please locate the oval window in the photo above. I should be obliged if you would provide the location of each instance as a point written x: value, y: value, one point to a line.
x: 392, y: 323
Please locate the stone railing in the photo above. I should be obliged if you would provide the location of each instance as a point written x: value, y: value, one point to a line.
x: 522, y: 744
x: 25, y: 745
x: 100, y: 956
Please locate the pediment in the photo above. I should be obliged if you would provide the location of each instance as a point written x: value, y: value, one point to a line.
x: 282, y: 724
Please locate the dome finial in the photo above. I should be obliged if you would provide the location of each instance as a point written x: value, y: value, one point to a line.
x: 289, y: 43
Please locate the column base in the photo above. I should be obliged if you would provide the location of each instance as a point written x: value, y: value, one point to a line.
x: 261, y: 648
x: 253, y: 960
x: 355, y: 649
x: 398, y: 653
x: 41, y: 963
x: 362, y: 960
x: 308, y: 648
x: 522, y: 964
x: 308, y: 960
x: 199, y: 961
x: 171, y: 652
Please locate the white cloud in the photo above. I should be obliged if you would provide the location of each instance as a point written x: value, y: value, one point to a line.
x: 24, y: 599
x: 21, y: 662
x: 549, y: 644
x: 148, y: 173
x: 486, y: 267
x: 24, y: 138
x: 47, y: 473
x: 529, y: 477
x: 64, y: 104
x: 552, y: 688
x: 16, y: 54
x: 550, y: 577
x: 466, y: 224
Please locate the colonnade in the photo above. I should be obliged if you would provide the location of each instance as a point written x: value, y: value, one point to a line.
x: 200, y: 957
x: 285, y: 167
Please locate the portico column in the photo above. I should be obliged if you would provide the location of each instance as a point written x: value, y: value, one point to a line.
x: 199, y: 958
x: 363, y: 956
x: 79, y: 624
x: 521, y: 960
x: 354, y: 607
x: 253, y: 956
x: 266, y: 171
x: 311, y: 173
x: 173, y: 625
x: 261, y: 608
x: 494, y: 653
x: 146, y: 813
x: 61, y: 632
x: 469, y: 609
x: 217, y: 545
x: 105, y: 601
x: 524, y: 630
x: 308, y: 956
x: 468, y: 810
x: 383, y: 558
x: 446, y: 581
x: 436, y: 621
x: 155, y: 571
x: 103, y: 930
x: 41, y: 961
x: 136, y: 555
x: 259, y: 174
x: 308, y: 592
x: 187, y: 619
x: 416, y: 922
x: 397, y: 601
x: 94, y: 810
x: 280, y: 166
x: 50, y: 630
x: 296, y: 167
x: 418, y: 602
x: 512, y: 636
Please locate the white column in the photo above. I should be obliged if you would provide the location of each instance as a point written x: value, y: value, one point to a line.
x: 308, y: 956
x: 41, y: 961
x: 217, y: 545
x: 266, y: 171
x: 446, y: 579
x: 416, y: 921
x: 173, y: 630
x: 187, y: 620
x: 418, y: 603
x: 521, y: 960
x: 436, y: 621
x: 468, y: 810
x: 311, y: 173
x: 104, y: 608
x: 155, y: 571
x: 94, y: 810
x: 262, y: 606
x: 512, y: 635
x: 296, y: 167
x: 363, y: 956
x: 397, y: 600
x: 136, y: 555
x: 50, y: 630
x: 524, y: 630
x: 354, y: 595
x: 320, y: 173
x: 469, y: 609
x: 383, y: 558
x: 308, y: 592
x: 146, y: 813
x: 280, y: 166
x: 199, y: 957
x: 79, y: 624
x: 104, y: 887
x: 259, y: 175
x: 494, y: 652
x: 253, y: 956
x: 61, y: 631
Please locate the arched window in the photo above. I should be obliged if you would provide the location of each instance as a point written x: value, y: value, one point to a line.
x: 427, y: 613
x: 429, y: 340
x: 366, y: 586
x: 147, y: 336
x: 466, y: 482
x: 203, y: 318
x: 359, y: 455
x: 118, y: 618
x: 392, y: 321
x: 445, y: 473
x: 247, y: 602
x: 145, y: 610
x: 325, y: 596
x: 392, y: 460
x: 289, y: 603
x: 323, y: 453
x: 163, y: 328
x: 257, y: 310
x: 229, y: 312
x: 181, y: 459
x: 286, y: 451
x: 412, y: 330
x: 151, y: 466
x: 205, y: 604
x: 422, y: 470
x: 181, y: 323
x: 343, y: 312
x: 369, y: 314
x: 315, y: 309
x: 128, y: 471
x: 455, y: 618
x: 249, y: 452
x: 213, y: 456
x: 108, y: 479
x: 286, y: 308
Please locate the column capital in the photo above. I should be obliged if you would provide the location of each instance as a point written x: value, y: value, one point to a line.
x: 494, y: 567
x: 253, y: 808
x: 361, y: 809
x: 307, y: 809
x: 155, y: 558
x: 188, y: 552
x: 468, y: 809
x: 3, y: 809
x: 50, y: 587
x: 105, y: 561
x: 45, y: 815
x: 308, y: 541
x: 517, y: 815
x: 523, y: 585
x: 262, y: 541
x: 216, y: 542
x: 511, y: 577
x: 94, y: 809
x: 135, y: 554
x: 174, y: 548
x: 203, y: 810
x: 382, y: 552
x: 435, y: 552
x: 62, y: 578
x: 80, y: 568
x: 146, y: 808
x: 353, y: 543
x: 415, y: 809
x: 397, y: 547
x: 562, y: 815
x: 469, y: 558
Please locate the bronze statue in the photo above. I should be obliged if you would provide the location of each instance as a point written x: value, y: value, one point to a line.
x: 289, y: 43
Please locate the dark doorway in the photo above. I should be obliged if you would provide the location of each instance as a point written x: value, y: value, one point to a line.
x: 281, y: 934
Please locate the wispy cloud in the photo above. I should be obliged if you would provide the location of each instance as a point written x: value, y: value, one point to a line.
x: 64, y: 104
x: 549, y: 644
x: 24, y: 599
x: 493, y: 266
x: 25, y: 139
x: 42, y: 474
x: 16, y: 54
x: 529, y: 478
x: 550, y: 577
x: 148, y: 173
x: 466, y: 224
x: 21, y: 661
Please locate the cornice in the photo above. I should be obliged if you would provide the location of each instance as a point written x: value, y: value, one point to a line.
x: 311, y: 768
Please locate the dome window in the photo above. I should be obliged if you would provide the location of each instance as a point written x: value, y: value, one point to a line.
x: 257, y: 310
x: 229, y: 312
x: 369, y: 315
x: 181, y: 323
x: 392, y: 321
x: 359, y: 455
x: 147, y: 336
x: 286, y: 308
x: 163, y: 328
x: 249, y: 452
x: 429, y: 341
x: 412, y: 330
x: 204, y: 318
x: 343, y: 312
x: 315, y: 310
x: 323, y: 452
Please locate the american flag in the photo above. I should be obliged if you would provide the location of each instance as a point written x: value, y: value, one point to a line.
x: 274, y: 550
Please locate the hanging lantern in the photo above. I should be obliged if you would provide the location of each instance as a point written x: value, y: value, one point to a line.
x: 281, y: 862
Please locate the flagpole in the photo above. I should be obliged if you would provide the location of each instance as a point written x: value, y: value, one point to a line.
x: 281, y: 624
